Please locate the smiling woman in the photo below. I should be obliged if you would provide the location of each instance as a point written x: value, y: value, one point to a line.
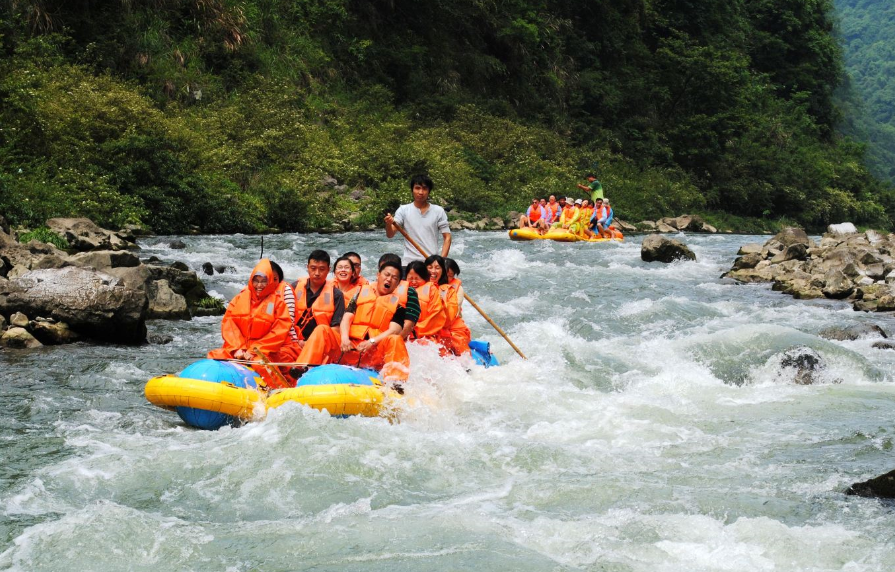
x: 258, y: 324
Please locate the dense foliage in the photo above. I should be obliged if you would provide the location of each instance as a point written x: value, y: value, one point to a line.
x: 867, y: 28
x: 239, y: 115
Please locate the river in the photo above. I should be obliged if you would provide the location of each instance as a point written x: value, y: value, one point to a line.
x: 651, y: 429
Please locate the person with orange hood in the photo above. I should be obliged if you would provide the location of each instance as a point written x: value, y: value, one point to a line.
x: 257, y: 318
x: 369, y: 334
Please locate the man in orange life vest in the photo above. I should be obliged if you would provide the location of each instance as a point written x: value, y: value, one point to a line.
x: 370, y: 329
x: 257, y: 318
x: 317, y: 301
x: 535, y: 217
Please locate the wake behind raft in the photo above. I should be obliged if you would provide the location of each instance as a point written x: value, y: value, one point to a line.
x: 209, y: 394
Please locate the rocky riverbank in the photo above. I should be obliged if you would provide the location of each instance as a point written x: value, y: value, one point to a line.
x: 97, y: 289
x: 855, y: 266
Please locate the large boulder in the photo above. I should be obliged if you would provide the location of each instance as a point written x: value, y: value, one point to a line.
x: 17, y: 259
x: 92, y: 303
x: 103, y: 259
x: 165, y: 304
x: 181, y: 280
x: 749, y: 260
x: 837, y: 285
x: 797, y: 251
x: 50, y: 332
x: 18, y: 338
x: 804, y: 364
x: 853, y: 332
x: 662, y: 249
x: 882, y: 487
x: 83, y: 234
x: 787, y: 237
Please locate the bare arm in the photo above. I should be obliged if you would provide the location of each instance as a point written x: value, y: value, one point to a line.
x: 446, y: 247
x: 344, y: 328
x: 390, y: 228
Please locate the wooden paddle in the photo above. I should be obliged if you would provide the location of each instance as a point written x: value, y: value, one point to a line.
x: 270, y: 367
x: 465, y: 295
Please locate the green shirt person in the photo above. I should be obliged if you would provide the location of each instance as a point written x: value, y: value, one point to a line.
x: 594, y: 186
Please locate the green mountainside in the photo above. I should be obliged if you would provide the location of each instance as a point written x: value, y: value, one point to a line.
x: 245, y: 115
x: 867, y: 29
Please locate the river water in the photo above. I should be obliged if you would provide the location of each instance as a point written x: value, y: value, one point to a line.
x: 651, y: 428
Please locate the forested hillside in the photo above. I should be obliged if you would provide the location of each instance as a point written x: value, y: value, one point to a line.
x: 235, y: 115
x: 867, y: 28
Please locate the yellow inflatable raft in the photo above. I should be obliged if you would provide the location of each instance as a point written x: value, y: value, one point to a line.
x: 559, y: 235
x: 209, y: 394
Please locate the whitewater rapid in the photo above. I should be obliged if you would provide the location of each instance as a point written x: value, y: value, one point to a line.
x: 652, y: 428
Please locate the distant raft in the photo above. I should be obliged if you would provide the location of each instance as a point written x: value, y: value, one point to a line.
x: 559, y: 235
x: 209, y: 394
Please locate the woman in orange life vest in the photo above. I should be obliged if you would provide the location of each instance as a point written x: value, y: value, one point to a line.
x: 344, y: 274
x: 432, y: 314
x: 455, y: 330
x: 257, y: 318
x: 317, y: 300
x: 369, y: 332
x: 358, y: 279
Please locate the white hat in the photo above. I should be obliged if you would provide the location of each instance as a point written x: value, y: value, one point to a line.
x: 577, y: 201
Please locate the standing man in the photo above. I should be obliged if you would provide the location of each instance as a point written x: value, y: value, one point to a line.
x: 594, y: 187
x: 423, y: 222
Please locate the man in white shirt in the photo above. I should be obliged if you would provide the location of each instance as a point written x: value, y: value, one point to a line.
x: 422, y: 221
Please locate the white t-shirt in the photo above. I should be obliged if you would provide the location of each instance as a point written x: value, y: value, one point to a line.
x: 425, y: 229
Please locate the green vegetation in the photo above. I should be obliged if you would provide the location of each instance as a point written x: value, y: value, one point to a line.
x: 211, y: 303
x: 236, y: 115
x: 45, y: 235
x: 868, y: 39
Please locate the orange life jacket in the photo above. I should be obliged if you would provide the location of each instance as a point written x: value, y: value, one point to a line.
x: 373, y: 314
x: 361, y: 281
x: 450, y: 297
x: 350, y: 292
x: 534, y: 213
x: 432, y: 314
x: 401, y: 292
x: 455, y: 282
x: 254, y: 320
x: 323, y: 308
x: 554, y: 208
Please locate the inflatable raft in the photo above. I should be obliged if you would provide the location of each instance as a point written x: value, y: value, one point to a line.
x: 558, y: 235
x: 209, y: 394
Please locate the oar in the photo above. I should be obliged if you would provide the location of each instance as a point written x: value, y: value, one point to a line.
x: 465, y: 295
x: 270, y: 367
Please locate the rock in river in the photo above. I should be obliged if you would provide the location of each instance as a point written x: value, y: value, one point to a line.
x: 882, y: 486
x: 659, y: 248
x: 90, y: 302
